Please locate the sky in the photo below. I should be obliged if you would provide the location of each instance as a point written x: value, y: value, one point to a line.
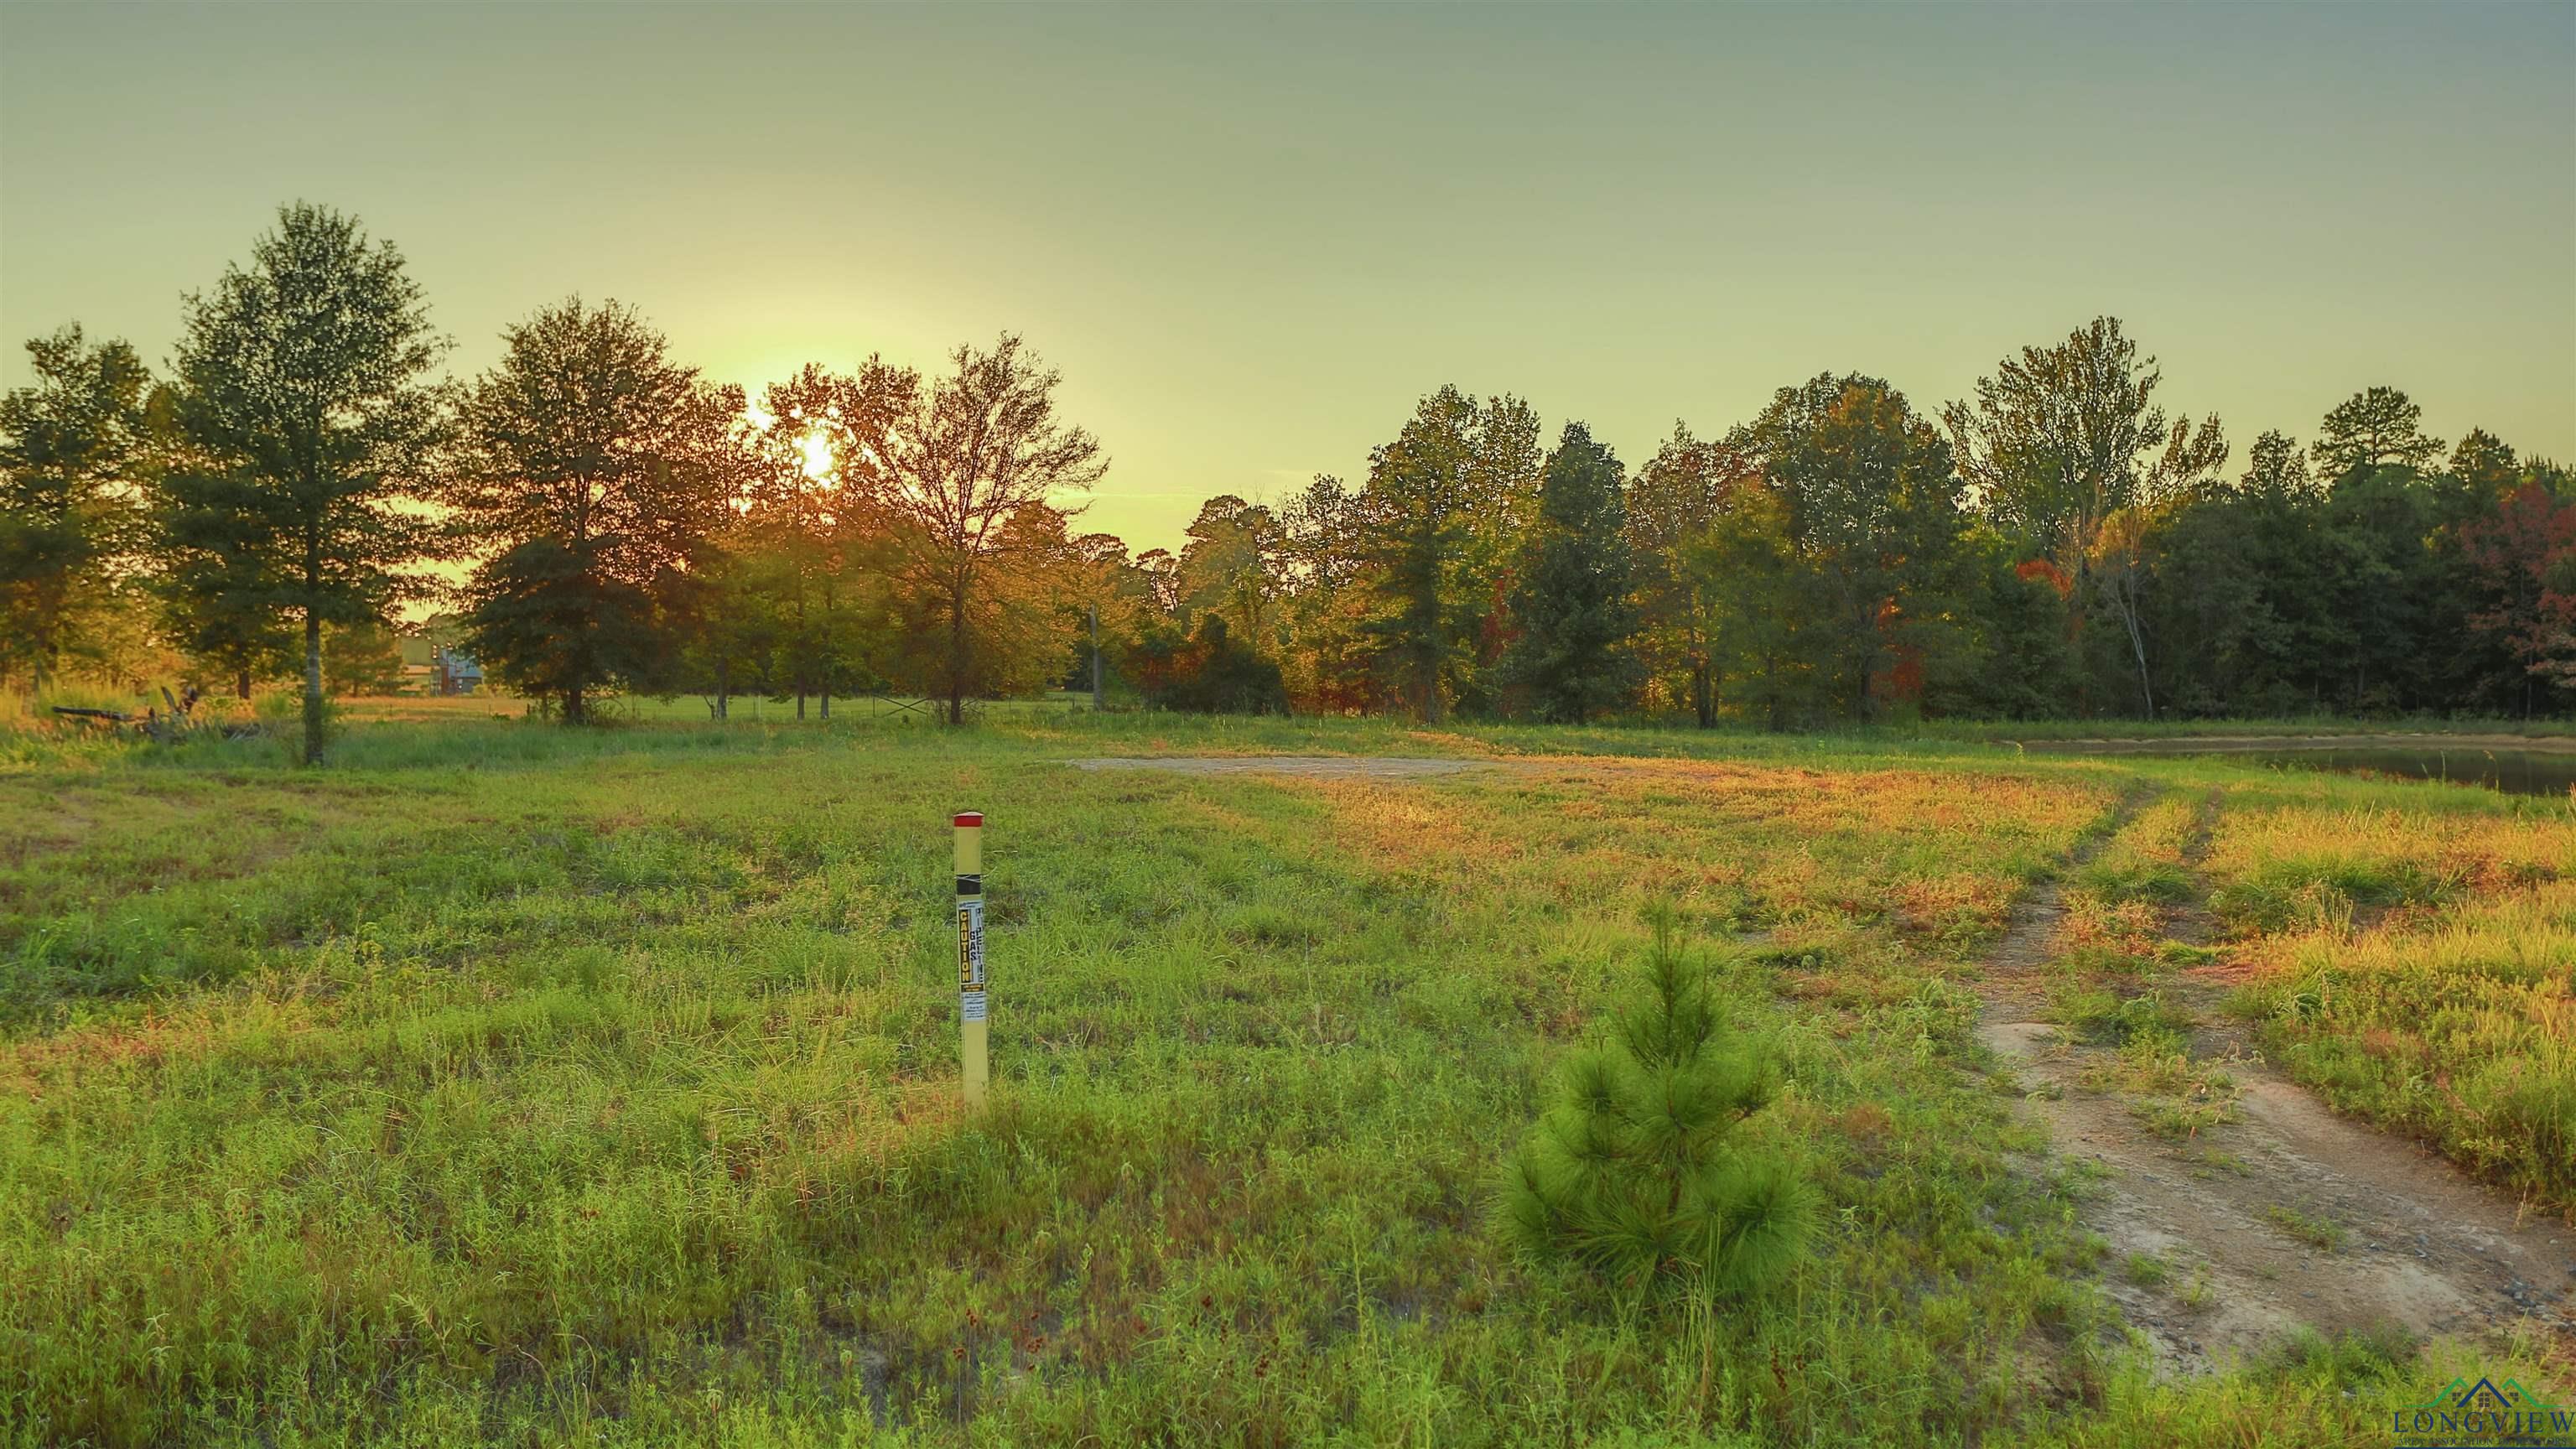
x: 1251, y: 237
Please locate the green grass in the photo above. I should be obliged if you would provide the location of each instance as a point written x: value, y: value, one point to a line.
x: 2106, y: 1018
x: 2419, y: 968
x: 512, y: 1085
x: 2409, y: 952
x: 2323, y: 1234
x: 2459, y: 1027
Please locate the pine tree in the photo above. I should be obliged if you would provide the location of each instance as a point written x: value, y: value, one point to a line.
x: 1637, y: 1172
x: 306, y: 409
x: 1574, y: 653
x: 70, y: 447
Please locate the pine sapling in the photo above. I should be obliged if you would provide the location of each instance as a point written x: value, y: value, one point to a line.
x: 1638, y: 1171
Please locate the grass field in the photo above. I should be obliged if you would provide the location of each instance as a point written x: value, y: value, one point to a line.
x: 506, y: 1084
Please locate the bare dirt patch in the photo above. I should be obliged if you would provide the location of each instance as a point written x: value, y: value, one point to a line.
x: 2226, y: 1234
x: 1314, y: 767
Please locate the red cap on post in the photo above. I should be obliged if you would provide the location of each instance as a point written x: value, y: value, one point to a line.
x: 970, y: 819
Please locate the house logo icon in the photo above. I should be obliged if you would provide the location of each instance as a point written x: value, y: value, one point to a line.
x: 2484, y: 1414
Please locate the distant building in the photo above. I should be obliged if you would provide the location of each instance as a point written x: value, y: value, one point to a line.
x: 455, y: 672
x: 432, y: 663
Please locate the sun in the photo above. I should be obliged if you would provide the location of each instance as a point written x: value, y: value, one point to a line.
x: 814, y: 450
x: 818, y: 454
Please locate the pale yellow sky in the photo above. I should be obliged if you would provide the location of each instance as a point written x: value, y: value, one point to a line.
x: 1251, y: 236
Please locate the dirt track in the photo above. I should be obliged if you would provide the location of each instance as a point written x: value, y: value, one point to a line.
x: 2231, y: 1213
x: 2234, y: 1213
x: 1321, y: 767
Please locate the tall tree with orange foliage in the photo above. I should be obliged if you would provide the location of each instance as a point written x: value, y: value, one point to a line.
x: 943, y: 472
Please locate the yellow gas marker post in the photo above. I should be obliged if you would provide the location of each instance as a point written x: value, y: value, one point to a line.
x: 976, y: 1047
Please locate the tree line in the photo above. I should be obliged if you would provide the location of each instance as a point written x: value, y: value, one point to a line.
x: 625, y: 524
x: 2055, y: 544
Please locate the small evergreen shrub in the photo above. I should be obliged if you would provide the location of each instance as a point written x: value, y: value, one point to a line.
x: 1639, y: 1172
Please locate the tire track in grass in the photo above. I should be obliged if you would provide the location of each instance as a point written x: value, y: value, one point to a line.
x: 2238, y: 1208
x: 2234, y: 1215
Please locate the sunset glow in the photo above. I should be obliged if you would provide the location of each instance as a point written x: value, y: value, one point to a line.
x: 1085, y: 722
x: 1243, y: 283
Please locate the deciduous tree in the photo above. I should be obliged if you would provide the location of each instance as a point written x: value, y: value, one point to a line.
x: 1232, y: 566
x: 1768, y: 649
x: 595, y: 467
x: 1674, y: 502
x: 1444, y: 505
x: 1334, y: 660
x: 945, y: 468
x: 811, y: 512
x: 2064, y: 438
x: 362, y: 658
x: 2523, y: 560
x: 1871, y: 509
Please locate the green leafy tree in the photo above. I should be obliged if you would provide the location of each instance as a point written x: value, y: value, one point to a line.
x: 71, y: 448
x: 811, y: 510
x: 1640, y: 1172
x: 2119, y: 568
x: 596, y: 468
x: 1019, y: 620
x: 544, y: 620
x: 1417, y: 533
x: 2210, y: 609
x: 2523, y: 562
x: 1762, y: 609
x: 1231, y: 566
x: 1111, y: 602
x: 727, y: 614
x: 2062, y: 440
x: 2055, y: 440
x: 2393, y: 590
x: 1674, y: 502
x: 1213, y: 673
x: 2017, y: 608
x: 828, y: 608
x: 2292, y: 631
x: 361, y: 658
x: 1871, y: 509
x: 1502, y: 506
x: 219, y: 593
x: 1572, y: 603
x: 1444, y: 505
x: 1334, y: 657
x: 305, y: 410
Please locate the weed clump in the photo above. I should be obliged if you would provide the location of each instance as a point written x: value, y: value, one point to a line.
x: 1639, y: 1173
